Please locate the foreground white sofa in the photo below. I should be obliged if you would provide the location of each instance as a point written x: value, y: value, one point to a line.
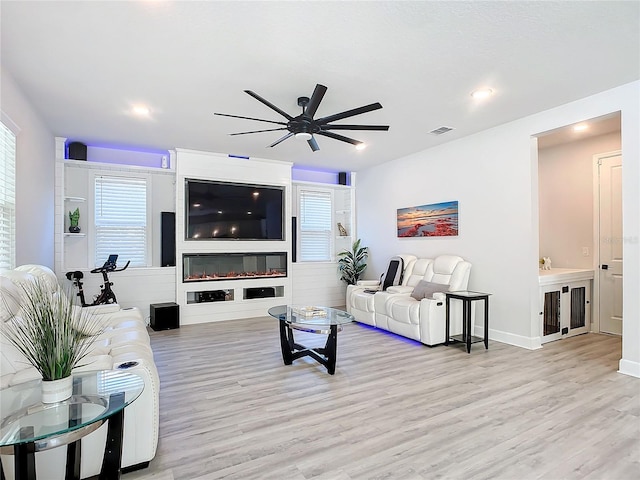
x: 125, y: 339
x: 397, y: 311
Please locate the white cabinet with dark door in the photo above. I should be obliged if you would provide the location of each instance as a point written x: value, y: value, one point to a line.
x: 565, y: 303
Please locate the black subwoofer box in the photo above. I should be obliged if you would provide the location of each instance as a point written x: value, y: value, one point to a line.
x: 164, y: 316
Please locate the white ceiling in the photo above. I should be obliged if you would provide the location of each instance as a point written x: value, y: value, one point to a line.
x: 84, y: 64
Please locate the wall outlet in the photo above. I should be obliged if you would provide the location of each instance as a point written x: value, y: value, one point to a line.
x: 585, y: 251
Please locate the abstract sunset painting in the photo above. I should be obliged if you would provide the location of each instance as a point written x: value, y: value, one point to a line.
x: 434, y: 220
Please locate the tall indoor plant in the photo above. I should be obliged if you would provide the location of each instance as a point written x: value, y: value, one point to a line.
x: 53, y: 334
x: 352, y: 263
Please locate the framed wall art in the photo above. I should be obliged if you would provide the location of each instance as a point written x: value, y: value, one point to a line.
x: 433, y: 220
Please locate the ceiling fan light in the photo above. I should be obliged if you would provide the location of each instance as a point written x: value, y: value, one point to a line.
x: 303, y: 136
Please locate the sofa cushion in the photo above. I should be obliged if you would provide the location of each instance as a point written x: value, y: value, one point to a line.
x: 426, y: 289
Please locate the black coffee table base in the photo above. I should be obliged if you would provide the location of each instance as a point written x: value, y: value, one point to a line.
x: 292, y: 350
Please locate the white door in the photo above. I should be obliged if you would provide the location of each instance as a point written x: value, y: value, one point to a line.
x: 610, y: 248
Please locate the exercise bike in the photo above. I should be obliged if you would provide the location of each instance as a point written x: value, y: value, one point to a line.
x: 106, y: 296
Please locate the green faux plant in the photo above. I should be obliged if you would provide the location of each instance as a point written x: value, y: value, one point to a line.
x: 352, y: 263
x: 74, y: 217
x: 51, y: 332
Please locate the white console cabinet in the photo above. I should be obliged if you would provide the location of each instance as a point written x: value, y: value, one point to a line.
x: 565, y: 303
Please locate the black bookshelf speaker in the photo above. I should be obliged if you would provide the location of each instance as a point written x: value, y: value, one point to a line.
x: 294, y: 239
x: 77, y: 151
x: 164, y: 316
x: 167, y: 239
x: 342, y: 178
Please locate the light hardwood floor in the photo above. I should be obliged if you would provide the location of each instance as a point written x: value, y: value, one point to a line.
x: 395, y: 409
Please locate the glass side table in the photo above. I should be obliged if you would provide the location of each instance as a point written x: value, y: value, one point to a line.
x: 467, y: 297
x: 29, y: 426
x: 322, y: 320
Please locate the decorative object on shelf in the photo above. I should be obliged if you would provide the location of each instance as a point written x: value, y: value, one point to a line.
x: 352, y: 263
x: 342, y: 230
x: 545, y: 263
x: 52, y: 333
x: 73, y: 221
x: 433, y: 220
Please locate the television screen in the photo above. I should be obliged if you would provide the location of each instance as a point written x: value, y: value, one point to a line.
x: 221, y: 210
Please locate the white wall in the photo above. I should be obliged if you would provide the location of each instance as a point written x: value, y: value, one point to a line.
x: 34, y: 177
x: 494, y: 176
x: 565, y: 174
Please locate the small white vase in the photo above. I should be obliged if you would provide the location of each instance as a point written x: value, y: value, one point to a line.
x: 57, y: 390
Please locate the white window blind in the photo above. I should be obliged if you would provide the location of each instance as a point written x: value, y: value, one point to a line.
x: 121, y: 220
x: 7, y: 197
x: 315, y: 225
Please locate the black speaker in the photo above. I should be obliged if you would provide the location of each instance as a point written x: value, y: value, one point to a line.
x: 294, y: 239
x: 259, y: 292
x: 167, y: 239
x: 342, y: 178
x: 164, y: 316
x: 77, y: 151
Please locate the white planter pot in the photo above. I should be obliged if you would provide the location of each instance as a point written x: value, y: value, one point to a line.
x: 57, y: 390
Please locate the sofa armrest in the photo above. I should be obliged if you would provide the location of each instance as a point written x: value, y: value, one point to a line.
x: 441, y: 297
x: 400, y: 289
x: 368, y: 283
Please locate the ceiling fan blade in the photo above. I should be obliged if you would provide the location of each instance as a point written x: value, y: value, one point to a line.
x: 355, y: 127
x: 259, y: 131
x: 339, y: 137
x: 313, y: 144
x: 249, y: 118
x: 281, y: 139
x: 349, y: 113
x: 314, y: 101
x: 269, y: 104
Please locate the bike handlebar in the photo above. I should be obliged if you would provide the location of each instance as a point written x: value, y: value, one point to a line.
x: 110, y: 267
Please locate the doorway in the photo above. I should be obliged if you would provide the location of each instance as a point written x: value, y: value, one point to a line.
x: 571, y: 164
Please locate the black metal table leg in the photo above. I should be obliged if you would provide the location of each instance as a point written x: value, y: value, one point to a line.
x: 74, y: 450
x: 447, y: 322
x: 466, y: 305
x: 25, y: 456
x: 286, y: 340
x: 331, y: 348
x: 113, y: 449
x: 486, y: 323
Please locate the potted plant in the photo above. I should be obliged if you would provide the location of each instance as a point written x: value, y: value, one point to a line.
x: 352, y: 263
x: 53, y: 334
x: 74, y: 217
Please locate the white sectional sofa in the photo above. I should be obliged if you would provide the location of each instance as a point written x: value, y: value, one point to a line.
x: 415, y: 308
x: 125, y: 339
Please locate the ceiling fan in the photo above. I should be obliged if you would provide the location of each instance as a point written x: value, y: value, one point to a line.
x: 304, y: 126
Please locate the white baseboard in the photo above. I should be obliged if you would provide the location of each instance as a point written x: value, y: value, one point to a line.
x: 627, y: 367
x: 530, y: 343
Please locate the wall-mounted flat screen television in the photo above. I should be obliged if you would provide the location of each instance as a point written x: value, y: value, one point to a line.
x: 225, y: 211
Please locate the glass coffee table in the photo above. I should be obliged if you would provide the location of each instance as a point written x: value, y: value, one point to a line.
x: 28, y: 426
x: 322, y: 320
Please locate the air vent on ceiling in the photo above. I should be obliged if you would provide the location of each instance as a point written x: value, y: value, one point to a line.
x: 441, y: 130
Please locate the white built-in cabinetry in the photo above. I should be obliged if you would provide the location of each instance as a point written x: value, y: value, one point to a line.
x: 565, y: 302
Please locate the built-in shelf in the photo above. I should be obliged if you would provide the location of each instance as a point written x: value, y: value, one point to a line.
x: 75, y: 234
x: 74, y: 199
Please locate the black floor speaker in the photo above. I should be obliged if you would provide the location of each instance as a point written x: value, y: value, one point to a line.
x: 164, y: 316
x: 167, y: 239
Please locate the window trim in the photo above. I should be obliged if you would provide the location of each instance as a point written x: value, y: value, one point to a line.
x: 91, y: 204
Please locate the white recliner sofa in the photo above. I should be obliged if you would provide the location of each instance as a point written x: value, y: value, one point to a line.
x: 124, y: 339
x: 416, y: 308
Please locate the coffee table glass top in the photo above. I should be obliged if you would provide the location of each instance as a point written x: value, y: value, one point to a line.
x: 21, y: 406
x: 311, y: 315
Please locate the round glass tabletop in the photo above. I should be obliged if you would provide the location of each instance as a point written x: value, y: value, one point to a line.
x: 310, y: 315
x: 96, y: 396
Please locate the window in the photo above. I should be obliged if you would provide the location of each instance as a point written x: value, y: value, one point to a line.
x: 121, y: 219
x: 315, y: 225
x: 7, y: 197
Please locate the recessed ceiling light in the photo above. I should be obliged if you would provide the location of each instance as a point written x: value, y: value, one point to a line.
x: 140, y: 110
x: 361, y: 146
x: 482, y: 93
x: 580, y: 127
